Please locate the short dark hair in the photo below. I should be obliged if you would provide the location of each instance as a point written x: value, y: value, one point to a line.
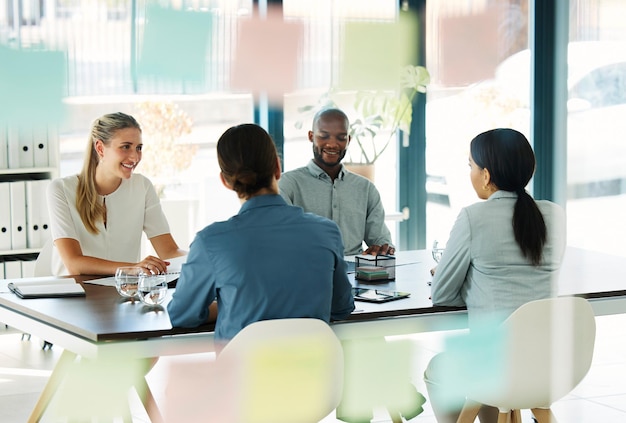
x: 247, y: 158
x: 330, y: 112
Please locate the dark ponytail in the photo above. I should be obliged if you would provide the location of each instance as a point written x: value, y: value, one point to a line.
x: 529, y: 228
x: 508, y: 156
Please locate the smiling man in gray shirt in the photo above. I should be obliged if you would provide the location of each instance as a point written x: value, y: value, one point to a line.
x: 325, y: 187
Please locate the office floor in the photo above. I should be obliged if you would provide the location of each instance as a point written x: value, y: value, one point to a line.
x: 601, y: 397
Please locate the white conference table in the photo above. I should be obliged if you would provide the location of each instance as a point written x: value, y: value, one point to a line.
x: 102, y: 323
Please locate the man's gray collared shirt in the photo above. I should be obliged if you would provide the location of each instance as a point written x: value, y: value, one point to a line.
x: 352, y: 201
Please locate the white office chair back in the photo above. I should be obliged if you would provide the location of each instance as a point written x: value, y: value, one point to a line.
x: 549, y: 347
x: 286, y: 370
x: 43, y: 264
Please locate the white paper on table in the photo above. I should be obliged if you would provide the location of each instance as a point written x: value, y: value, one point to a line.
x: 176, y: 264
x: 108, y: 281
x: 173, y: 272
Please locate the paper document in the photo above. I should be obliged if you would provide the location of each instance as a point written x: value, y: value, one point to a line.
x: 176, y: 264
x: 172, y: 274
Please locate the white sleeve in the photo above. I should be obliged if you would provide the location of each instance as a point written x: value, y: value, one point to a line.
x: 60, y: 208
x: 155, y: 222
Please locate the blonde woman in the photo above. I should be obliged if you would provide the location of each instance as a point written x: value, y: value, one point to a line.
x: 98, y: 216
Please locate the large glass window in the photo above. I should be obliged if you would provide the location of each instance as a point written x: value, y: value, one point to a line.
x: 480, y: 61
x: 596, y: 146
x: 477, y: 54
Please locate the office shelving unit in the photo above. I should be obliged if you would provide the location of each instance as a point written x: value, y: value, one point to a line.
x: 26, y: 155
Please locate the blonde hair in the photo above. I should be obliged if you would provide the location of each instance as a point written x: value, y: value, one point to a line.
x: 90, y: 209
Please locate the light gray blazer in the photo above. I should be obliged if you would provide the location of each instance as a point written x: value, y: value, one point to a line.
x: 483, y: 266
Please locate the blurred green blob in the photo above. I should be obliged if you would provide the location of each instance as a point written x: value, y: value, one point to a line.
x: 377, y: 374
x: 99, y: 389
x: 475, y: 362
x: 175, y: 44
x: 32, y: 86
x: 374, y: 53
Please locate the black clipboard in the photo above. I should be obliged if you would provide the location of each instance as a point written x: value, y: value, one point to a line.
x: 377, y: 295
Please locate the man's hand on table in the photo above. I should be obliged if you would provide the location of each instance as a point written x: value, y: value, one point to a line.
x: 380, y: 250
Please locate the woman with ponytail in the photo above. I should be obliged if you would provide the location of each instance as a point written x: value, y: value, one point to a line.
x: 270, y: 261
x: 501, y: 253
x: 98, y: 216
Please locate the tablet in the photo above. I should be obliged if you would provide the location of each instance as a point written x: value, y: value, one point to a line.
x: 377, y: 295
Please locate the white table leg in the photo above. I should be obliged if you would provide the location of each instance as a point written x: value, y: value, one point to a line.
x: 58, y: 374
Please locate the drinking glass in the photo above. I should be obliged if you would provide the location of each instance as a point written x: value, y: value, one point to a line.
x: 153, y: 289
x: 437, y: 251
x: 127, y: 281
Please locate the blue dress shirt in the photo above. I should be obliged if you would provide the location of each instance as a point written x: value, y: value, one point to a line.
x: 269, y: 261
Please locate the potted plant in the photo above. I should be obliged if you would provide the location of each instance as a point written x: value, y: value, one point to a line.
x: 379, y: 115
x: 163, y: 124
x: 165, y: 155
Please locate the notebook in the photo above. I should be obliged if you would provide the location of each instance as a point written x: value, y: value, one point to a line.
x: 46, y: 288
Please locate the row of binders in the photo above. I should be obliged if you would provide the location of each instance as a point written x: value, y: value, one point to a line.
x: 24, y: 217
x: 22, y: 147
x: 17, y: 269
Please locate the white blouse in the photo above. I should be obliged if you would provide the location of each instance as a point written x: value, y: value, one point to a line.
x: 131, y: 209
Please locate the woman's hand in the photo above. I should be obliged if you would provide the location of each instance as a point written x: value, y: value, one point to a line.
x: 153, y: 265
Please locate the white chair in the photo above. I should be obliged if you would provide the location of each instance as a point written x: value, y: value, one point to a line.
x: 43, y: 264
x: 549, y: 347
x: 283, y: 370
x: 272, y: 371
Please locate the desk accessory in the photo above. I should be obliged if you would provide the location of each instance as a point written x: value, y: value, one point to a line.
x: 375, y: 268
x: 377, y: 295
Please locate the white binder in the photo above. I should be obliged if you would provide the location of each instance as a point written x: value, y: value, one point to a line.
x: 18, y: 215
x: 26, y: 151
x: 53, y: 140
x: 12, y: 269
x: 28, y: 268
x: 13, y: 147
x: 4, y: 148
x: 37, y: 217
x: 5, y: 217
x: 40, y: 147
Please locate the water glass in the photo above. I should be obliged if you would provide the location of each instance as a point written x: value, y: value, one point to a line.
x: 153, y: 289
x: 127, y: 280
x: 437, y: 251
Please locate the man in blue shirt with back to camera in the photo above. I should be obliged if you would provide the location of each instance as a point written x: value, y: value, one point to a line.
x: 325, y: 187
x: 270, y: 261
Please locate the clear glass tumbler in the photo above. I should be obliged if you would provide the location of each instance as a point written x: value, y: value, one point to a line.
x: 153, y: 289
x: 127, y: 281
